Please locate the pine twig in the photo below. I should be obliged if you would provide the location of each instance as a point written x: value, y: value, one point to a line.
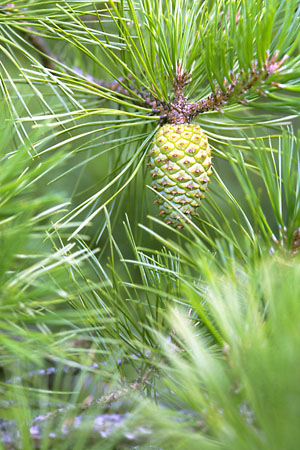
x: 105, y: 400
x: 296, y: 242
x: 241, y: 84
x: 39, y: 44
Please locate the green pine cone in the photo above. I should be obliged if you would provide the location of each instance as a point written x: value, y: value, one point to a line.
x: 180, y: 164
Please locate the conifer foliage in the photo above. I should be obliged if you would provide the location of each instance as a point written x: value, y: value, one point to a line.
x: 128, y: 324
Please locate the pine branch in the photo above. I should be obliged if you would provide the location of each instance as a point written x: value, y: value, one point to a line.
x: 241, y: 85
x: 296, y: 242
x: 47, y: 57
x: 73, y: 412
x: 120, y: 87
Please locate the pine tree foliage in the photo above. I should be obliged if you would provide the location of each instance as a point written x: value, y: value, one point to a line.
x: 117, y: 330
x: 247, y: 396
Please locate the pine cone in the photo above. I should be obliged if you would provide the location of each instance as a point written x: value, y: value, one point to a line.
x: 180, y: 164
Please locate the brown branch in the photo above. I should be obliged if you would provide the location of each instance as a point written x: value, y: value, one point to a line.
x: 39, y: 44
x: 37, y: 41
x: 296, y: 242
x: 119, y: 86
x: 241, y: 84
x: 123, y: 88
